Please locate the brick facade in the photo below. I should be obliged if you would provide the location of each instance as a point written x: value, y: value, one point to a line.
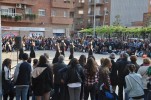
x: 55, y: 16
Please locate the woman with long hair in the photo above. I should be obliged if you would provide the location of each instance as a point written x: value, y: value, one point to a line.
x: 74, y: 79
x: 6, y: 80
x: 91, y: 79
x: 42, y: 79
x: 82, y: 62
x: 104, y: 78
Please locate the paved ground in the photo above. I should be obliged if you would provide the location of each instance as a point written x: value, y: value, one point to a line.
x: 13, y: 56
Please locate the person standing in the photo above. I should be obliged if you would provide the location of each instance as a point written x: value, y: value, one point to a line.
x: 143, y: 72
x: 113, y: 70
x: 90, y: 53
x: 62, y: 47
x: 91, y: 79
x: 42, y: 79
x: 74, y: 78
x: 55, y: 59
x: 71, y: 51
x: 134, y: 85
x: 32, y: 51
x: 59, y: 86
x: 122, y: 72
x: 22, y: 76
x: 7, y: 85
x: 104, y: 79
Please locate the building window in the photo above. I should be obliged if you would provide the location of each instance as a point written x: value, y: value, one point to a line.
x: 53, y: 13
x: 65, y: 14
x: 28, y: 11
x: 106, y: 1
x: 80, y: 12
x: 81, y: 1
x: 41, y: 12
x: 9, y: 11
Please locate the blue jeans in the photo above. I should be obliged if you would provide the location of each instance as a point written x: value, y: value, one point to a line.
x: 21, y: 91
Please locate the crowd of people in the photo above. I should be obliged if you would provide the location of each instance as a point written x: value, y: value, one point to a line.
x: 78, y: 79
x: 100, y: 46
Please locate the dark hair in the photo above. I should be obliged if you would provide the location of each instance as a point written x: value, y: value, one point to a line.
x: 131, y: 67
x: 29, y: 60
x: 35, y: 61
x: 42, y: 60
x: 74, y: 62
x: 133, y: 58
x: 25, y: 56
x: 91, y: 67
x: 82, y: 60
x: 6, y: 62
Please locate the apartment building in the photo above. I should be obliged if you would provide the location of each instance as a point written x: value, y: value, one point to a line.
x: 130, y: 11
x: 147, y: 15
x: 84, y: 13
x: 36, y: 17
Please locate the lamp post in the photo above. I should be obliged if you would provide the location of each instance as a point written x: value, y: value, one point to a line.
x: 0, y: 58
x: 94, y: 34
x: 105, y: 10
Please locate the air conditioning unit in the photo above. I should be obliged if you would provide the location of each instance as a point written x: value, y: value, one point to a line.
x: 18, y: 5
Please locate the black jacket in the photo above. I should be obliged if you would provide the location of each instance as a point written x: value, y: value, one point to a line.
x: 57, y: 74
x: 75, y: 74
x: 113, y: 74
x: 42, y: 80
x: 122, y: 70
x: 24, y: 75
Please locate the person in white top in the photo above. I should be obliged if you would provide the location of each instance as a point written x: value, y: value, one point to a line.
x: 7, y: 86
x: 134, y: 85
x: 143, y: 72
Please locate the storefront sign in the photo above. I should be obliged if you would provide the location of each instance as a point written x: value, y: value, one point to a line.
x: 23, y: 28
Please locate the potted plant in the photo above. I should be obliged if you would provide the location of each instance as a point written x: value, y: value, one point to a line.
x: 17, y: 18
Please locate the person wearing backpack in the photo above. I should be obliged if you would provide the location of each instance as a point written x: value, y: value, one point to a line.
x: 74, y: 79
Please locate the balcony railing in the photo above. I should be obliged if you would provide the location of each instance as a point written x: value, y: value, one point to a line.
x: 61, y: 20
x: 58, y: 4
x: 26, y: 2
x: 80, y: 5
x: 97, y: 14
x: 98, y: 2
x: 18, y: 17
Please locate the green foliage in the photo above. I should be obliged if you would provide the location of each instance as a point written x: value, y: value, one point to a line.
x: 117, y: 29
x: 18, y: 18
x: 30, y: 16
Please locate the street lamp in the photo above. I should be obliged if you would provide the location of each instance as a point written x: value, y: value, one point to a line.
x: 94, y: 34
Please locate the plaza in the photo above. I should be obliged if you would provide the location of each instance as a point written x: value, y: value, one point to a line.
x: 13, y: 56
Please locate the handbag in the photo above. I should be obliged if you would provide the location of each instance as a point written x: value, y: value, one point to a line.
x: 109, y: 95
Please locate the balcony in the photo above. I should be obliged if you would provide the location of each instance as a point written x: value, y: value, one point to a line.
x: 98, y: 2
x: 80, y: 5
x: 61, y: 20
x: 79, y: 16
x: 97, y: 14
x: 58, y: 4
x: 18, y: 17
x: 26, y: 2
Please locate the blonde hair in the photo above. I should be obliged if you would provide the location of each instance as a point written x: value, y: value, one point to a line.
x: 101, y: 61
x: 146, y: 61
x: 106, y: 62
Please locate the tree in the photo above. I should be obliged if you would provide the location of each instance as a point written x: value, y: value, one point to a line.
x: 117, y: 21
